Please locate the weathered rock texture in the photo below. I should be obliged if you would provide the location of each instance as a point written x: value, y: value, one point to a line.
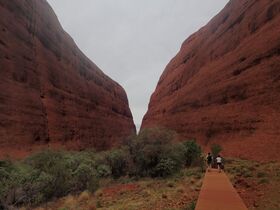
x: 50, y: 92
x: 224, y: 84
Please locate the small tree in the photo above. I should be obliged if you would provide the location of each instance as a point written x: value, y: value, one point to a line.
x: 153, y: 154
x: 216, y: 149
x: 117, y: 160
x: 192, y: 152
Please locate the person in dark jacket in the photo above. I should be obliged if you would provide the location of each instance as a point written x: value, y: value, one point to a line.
x: 209, y: 160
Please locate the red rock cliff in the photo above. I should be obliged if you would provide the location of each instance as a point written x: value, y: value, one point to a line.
x: 50, y: 92
x: 224, y: 84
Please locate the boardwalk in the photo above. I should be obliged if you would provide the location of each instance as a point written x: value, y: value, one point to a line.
x: 217, y: 193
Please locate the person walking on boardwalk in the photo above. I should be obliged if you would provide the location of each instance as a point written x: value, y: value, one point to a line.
x: 209, y: 160
x: 219, y: 162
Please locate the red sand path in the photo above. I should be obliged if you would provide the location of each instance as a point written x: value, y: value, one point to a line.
x: 217, y: 193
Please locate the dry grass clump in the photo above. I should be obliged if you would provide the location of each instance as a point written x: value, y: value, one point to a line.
x: 84, y: 197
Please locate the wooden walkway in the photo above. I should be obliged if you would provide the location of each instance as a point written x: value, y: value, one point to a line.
x: 217, y: 193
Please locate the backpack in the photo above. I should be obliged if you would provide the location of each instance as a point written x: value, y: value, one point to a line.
x: 209, y: 158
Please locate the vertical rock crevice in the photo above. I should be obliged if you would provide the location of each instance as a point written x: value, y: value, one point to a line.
x: 32, y: 29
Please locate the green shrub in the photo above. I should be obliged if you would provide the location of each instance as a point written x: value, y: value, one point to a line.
x: 261, y: 174
x: 171, y: 160
x: 263, y: 181
x: 164, y: 168
x: 38, y: 190
x: 171, y: 184
x: 84, y: 176
x: 55, y: 165
x: 153, y: 154
x: 46, y: 175
x: 103, y: 170
x: 192, y: 152
x: 98, y: 204
x: 177, y: 153
x: 6, y: 169
x: 117, y: 160
x: 247, y: 174
x: 216, y: 149
x: 191, y: 206
x: 13, y: 178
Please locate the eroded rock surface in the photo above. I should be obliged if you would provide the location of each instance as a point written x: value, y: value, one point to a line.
x: 50, y: 92
x: 224, y: 84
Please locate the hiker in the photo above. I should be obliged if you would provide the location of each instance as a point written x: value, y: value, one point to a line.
x: 209, y: 160
x: 219, y: 162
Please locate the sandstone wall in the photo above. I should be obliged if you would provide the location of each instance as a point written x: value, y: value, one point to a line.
x: 50, y: 92
x: 224, y: 84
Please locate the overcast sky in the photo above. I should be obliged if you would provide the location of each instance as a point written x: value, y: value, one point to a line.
x: 133, y: 40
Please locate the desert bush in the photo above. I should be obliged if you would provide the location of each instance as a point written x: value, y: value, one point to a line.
x: 164, y: 168
x: 261, y: 174
x: 47, y: 175
x: 55, y: 165
x: 118, y: 162
x: 103, y: 170
x: 150, y: 153
x: 6, y: 168
x: 83, y: 169
x: 216, y: 149
x: 177, y: 153
x: 12, y: 186
x: 191, y: 206
x: 85, y: 178
x: 192, y: 152
x: 264, y: 181
x: 154, y: 153
x: 12, y: 182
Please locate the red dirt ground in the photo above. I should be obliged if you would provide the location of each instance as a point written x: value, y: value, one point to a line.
x: 217, y: 193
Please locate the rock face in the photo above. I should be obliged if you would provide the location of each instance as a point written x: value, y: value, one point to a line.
x: 50, y: 92
x: 224, y: 84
